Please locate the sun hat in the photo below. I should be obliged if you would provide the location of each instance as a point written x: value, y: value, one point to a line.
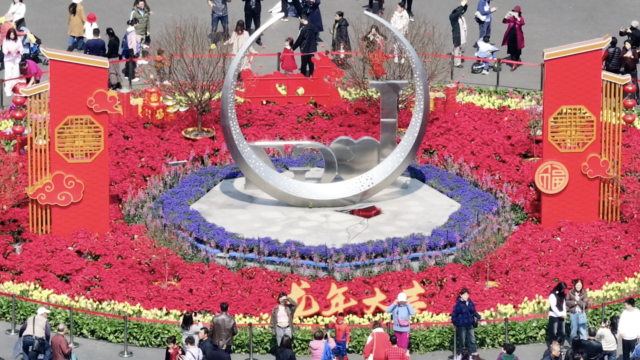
x: 402, y: 297
x: 517, y: 9
x: 635, y: 23
x: 42, y: 310
x: 92, y: 18
x: 8, y: 17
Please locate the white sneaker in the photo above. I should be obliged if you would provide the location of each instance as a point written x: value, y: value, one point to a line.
x: 485, y: 72
x: 143, y: 62
x: 138, y: 79
x: 145, y: 46
x: 285, y: 19
x: 402, y: 61
x: 395, y: 59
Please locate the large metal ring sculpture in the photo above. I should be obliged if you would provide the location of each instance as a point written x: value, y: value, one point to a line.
x: 342, y: 193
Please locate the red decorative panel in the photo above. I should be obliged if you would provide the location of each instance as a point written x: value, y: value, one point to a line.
x: 573, y: 81
x: 296, y: 88
x: 61, y: 190
x: 72, y: 83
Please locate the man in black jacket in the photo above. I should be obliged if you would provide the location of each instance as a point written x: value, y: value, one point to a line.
x: 306, y: 41
x: 456, y: 31
x: 591, y: 346
x: 252, y: 10
x: 633, y: 33
x: 206, y: 345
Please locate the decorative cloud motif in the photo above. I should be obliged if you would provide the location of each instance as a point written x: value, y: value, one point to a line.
x: 61, y: 190
x: 103, y: 100
x: 597, y: 167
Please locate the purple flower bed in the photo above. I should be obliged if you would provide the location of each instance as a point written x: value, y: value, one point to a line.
x: 174, y: 207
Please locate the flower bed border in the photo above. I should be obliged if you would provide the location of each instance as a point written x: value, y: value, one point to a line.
x: 174, y: 209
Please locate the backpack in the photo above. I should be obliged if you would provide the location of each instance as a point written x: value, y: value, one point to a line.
x: 125, y: 45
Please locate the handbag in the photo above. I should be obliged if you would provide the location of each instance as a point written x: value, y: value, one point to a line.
x: 582, y: 318
x: 403, y: 323
x: 480, y: 17
x: 39, y: 344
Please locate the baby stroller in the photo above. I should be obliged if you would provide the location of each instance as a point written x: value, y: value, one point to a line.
x: 31, y: 48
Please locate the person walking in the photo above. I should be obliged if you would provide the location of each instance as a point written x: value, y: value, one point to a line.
x: 191, y: 351
x: 35, y: 329
x: 143, y: 30
x: 252, y: 10
x: 607, y: 336
x: 629, y: 327
x: 223, y: 329
x: 630, y: 63
x: 340, y: 34
x: 77, y: 18
x: 285, y: 349
x: 557, y: 313
x: 632, y: 33
x: 18, y: 10
x: 132, y: 47
x: 282, y: 317
x: 577, y: 305
x: 113, y: 54
x: 219, y: 13
x: 395, y: 352
x: 343, y: 336
x: 237, y: 39
x: 12, y: 50
x: 89, y: 26
x: 205, y: 344
x: 401, y: 312
x: 400, y: 21
x: 377, y: 343
x: 285, y: 8
x: 190, y: 326
x: 483, y: 17
x: 458, y: 31
x: 96, y: 46
x: 514, y: 37
x: 312, y: 9
x: 60, y: 348
x: 612, y: 58
x: 307, y: 42
x: 465, y: 319
x: 287, y: 59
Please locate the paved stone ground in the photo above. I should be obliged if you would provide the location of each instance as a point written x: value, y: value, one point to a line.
x: 549, y: 23
x: 100, y: 350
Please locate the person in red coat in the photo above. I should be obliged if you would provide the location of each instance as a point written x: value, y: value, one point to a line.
x: 59, y: 345
x: 514, y: 37
x: 287, y: 59
x: 377, y: 343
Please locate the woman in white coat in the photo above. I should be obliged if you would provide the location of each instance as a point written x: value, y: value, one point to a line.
x: 18, y: 9
x: 12, y: 49
x: 237, y: 39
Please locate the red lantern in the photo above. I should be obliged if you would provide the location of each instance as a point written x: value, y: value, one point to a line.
x: 18, y: 114
x: 629, y: 103
x: 17, y: 87
x: 18, y: 130
x: 630, y: 88
x: 629, y: 118
x: 19, y: 101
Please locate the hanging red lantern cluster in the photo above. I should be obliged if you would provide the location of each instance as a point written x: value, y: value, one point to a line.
x: 18, y: 114
x: 629, y: 117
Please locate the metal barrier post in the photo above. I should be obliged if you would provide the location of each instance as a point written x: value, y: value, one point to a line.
x: 2, y: 97
x: 453, y: 59
x: 455, y: 345
x: 506, y: 330
x: 251, y: 342
x: 389, y: 328
x: 71, y: 343
x: 498, y: 71
x: 126, y: 353
x: 278, y: 69
x: 542, y: 77
x: 12, y: 331
x: 604, y: 310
